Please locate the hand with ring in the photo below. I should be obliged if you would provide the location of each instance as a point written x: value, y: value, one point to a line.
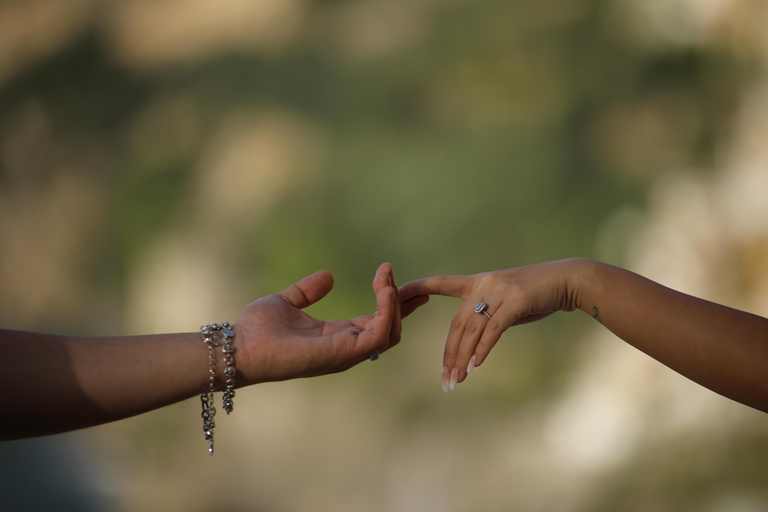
x: 721, y: 348
x: 493, y: 302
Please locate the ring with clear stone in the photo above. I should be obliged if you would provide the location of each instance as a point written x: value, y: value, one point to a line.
x: 481, y: 307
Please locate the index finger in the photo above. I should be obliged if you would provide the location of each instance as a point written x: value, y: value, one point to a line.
x: 450, y: 286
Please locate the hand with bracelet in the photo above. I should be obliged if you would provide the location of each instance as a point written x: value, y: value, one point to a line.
x: 723, y: 349
x: 55, y: 384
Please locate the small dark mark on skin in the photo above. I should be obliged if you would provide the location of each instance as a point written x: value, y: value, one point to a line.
x: 596, y: 314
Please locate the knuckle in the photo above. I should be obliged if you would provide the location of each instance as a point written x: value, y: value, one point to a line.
x: 455, y: 323
x: 472, y: 327
x: 488, y: 280
x: 493, y: 325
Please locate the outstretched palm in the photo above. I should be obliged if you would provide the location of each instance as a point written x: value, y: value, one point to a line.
x: 279, y: 341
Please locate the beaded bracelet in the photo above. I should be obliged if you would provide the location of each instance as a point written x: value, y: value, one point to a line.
x: 206, y: 398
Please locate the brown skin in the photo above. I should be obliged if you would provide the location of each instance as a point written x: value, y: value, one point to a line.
x: 723, y: 349
x: 55, y: 384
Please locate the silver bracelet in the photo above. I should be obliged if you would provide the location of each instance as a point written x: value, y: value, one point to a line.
x: 209, y: 411
x: 229, y: 371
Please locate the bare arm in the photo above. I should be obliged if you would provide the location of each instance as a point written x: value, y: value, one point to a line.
x: 54, y: 384
x: 721, y: 348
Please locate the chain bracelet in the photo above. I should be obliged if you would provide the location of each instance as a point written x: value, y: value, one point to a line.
x: 229, y: 371
x: 206, y: 398
x: 209, y: 411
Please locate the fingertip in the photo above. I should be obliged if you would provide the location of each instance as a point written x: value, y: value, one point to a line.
x: 323, y: 272
x: 472, y: 363
x: 380, y: 280
x: 412, y: 304
x: 386, y: 267
x: 454, y: 379
x: 322, y: 276
x: 308, y: 290
x: 390, y: 270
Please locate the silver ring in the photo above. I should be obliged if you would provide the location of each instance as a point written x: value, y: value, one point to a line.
x: 481, y: 307
x: 373, y: 356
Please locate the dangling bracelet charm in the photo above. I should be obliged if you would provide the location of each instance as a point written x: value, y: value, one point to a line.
x: 206, y: 398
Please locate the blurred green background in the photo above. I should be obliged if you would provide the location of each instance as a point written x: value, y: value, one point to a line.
x: 164, y: 162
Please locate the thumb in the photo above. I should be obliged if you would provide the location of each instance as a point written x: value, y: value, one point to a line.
x: 309, y: 290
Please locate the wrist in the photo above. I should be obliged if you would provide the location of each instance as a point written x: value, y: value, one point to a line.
x: 582, y: 279
x: 217, y: 336
x: 248, y: 363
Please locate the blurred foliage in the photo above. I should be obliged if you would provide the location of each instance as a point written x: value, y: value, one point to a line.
x: 505, y: 134
x: 470, y: 151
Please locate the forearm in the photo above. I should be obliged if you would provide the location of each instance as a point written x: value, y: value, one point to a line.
x: 723, y: 349
x: 54, y: 384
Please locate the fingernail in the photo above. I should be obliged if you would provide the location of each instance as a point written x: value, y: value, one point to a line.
x: 445, y: 377
x: 471, y: 365
x: 454, y: 378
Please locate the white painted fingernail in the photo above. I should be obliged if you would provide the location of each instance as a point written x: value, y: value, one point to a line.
x: 454, y: 378
x: 445, y: 376
x: 471, y: 365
